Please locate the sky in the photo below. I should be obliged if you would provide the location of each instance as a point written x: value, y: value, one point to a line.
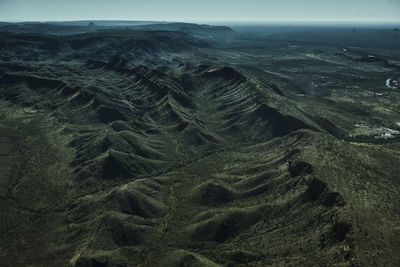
x: 201, y: 10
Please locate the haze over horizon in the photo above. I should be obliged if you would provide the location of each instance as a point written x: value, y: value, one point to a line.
x: 207, y: 10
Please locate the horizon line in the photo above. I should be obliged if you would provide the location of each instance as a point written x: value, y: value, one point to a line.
x: 208, y: 20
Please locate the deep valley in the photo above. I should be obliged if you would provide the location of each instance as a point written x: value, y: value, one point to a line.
x: 194, y: 145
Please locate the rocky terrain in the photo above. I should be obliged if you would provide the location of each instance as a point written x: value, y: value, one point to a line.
x: 157, y: 146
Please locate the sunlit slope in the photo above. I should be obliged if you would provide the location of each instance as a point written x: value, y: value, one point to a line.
x: 127, y: 121
x: 121, y: 153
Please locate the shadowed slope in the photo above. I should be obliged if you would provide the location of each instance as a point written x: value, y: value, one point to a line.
x: 140, y: 155
x: 143, y: 117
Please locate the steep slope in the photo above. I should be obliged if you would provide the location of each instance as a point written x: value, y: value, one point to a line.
x: 118, y: 163
x: 145, y: 119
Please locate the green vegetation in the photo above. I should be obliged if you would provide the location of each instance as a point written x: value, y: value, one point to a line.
x: 36, y: 189
x: 157, y: 148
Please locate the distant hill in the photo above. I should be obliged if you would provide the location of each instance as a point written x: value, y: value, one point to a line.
x: 104, y: 23
x: 44, y: 28
x: 133, y: 44
x: 78, y: 27
x: 188, y: 28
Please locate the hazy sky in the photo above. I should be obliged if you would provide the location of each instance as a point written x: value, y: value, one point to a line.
x: 201, y: 10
